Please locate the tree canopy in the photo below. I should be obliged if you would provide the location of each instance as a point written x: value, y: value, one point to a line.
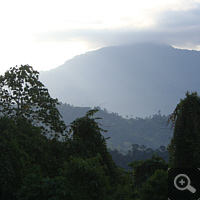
x: 23, y: 96
x: 184, y: 150
x: 78, y: 167
x: 87, y: 141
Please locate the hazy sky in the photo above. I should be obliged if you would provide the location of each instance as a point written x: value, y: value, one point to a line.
x: 46, y: 33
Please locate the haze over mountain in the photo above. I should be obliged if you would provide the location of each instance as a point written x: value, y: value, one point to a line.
x: 135, y: 80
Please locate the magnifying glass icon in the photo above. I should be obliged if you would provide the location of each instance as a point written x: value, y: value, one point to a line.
x: 185, y: 184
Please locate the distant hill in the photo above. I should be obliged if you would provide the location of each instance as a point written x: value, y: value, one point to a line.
x: 150, y: 131
x: 135, y: 80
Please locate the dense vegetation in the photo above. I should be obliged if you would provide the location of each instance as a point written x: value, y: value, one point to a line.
x: 80, y: 167
x: 186, y: 118
x: 74, y: 162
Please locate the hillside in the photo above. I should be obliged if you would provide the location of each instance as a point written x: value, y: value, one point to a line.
x: 150, y: 131
x: 133, y: 80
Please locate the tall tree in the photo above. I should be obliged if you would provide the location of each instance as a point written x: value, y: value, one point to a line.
x: 87, y: 141
x: 184, y: 150
x: 23, y: 96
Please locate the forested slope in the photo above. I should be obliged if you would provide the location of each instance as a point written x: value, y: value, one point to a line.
x: 151, y: 131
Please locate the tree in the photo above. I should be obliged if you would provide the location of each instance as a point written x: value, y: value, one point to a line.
x: 124, y: 188
x: 87, y: 141
x: 184, y: 150
x: 28, y: 161
x: 23, y: 96
x: 84, y: 179
x: 14, y: 162
x: 155, y: 186
x: 143, y: 169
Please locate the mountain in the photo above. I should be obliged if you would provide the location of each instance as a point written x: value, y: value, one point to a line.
x: 136, y: 80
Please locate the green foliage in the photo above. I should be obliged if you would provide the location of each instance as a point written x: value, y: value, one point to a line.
x: 23, y: 149
x: 155, y: 187
x: 184, y: 149
x: 142, y: 170
x: 124, y: 188
x: 87, y: 141
x: 31, y: 188
x: 86, y: 128
x: 80, y: 167
x: 13, y: 160
x: 32, y: 166
x: 79, y: 179
x: 22, y: 95
x: 85, y: 178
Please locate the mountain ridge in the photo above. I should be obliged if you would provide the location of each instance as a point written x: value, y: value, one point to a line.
x: 133, y: 80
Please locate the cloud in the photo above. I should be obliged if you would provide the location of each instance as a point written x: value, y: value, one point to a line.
x: 179, y: 18
x: 180, y: 27
x: 174, y: 27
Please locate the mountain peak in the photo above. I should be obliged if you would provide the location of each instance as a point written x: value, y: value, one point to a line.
x: 136, y: 80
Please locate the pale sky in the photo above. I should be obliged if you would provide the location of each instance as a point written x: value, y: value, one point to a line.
x: 46, y: 33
